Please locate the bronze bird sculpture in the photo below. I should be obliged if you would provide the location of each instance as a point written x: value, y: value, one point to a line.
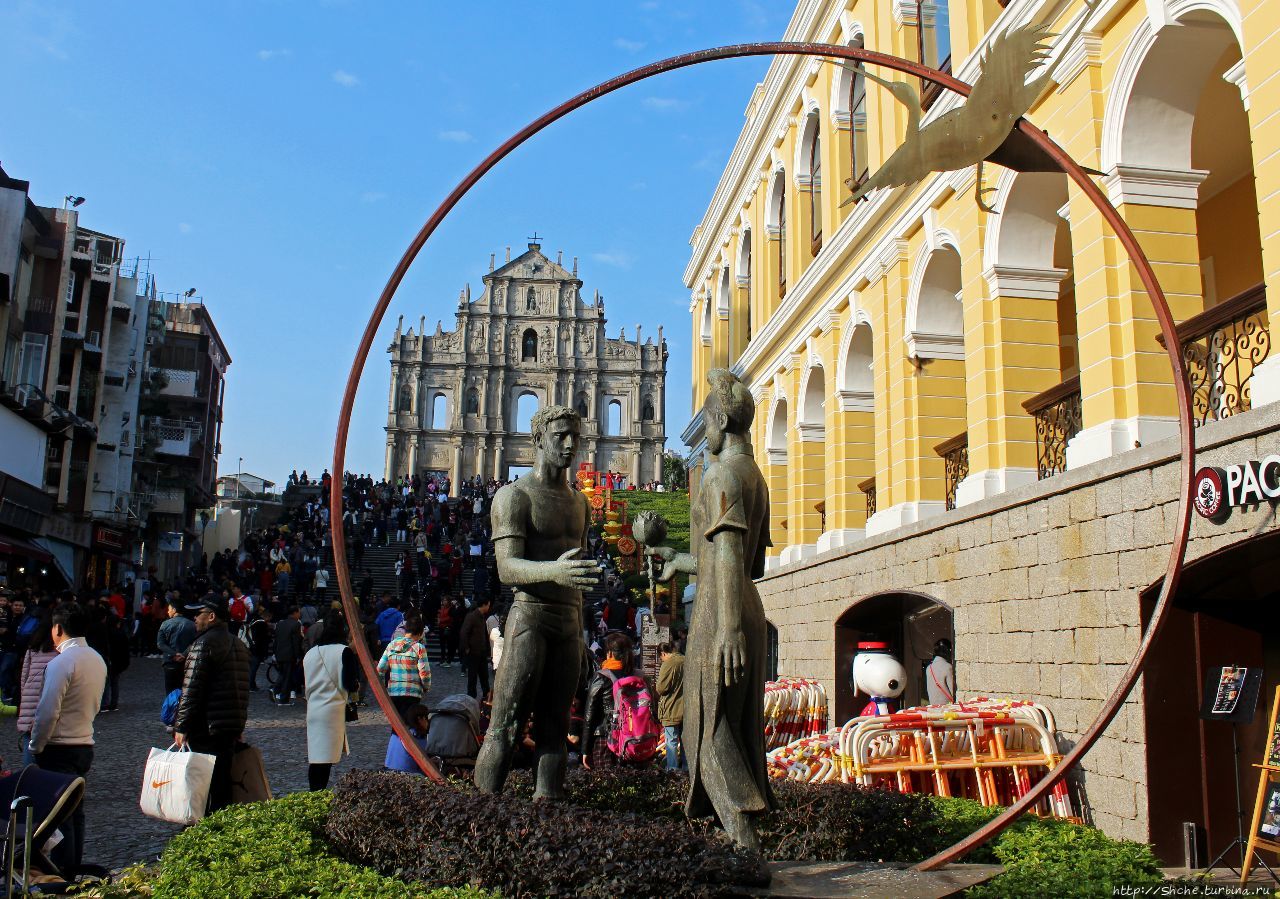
x: 981, y: 130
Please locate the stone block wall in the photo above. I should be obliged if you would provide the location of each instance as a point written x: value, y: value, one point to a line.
x: 1044, y: 582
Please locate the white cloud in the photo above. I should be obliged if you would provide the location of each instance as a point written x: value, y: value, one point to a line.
x: 627, y: 45
x: 372, y: 196
x: 345, y: 78
x: 268, y: 55
x: 664, y: 104
x: 184, y: 228
x: 456, y: 137
x: 649, y: 5
x: 615, y: 258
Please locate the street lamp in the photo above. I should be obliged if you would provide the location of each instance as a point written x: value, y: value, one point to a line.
x: 73, y: 200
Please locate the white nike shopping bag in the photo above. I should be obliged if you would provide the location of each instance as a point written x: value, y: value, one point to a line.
x: 175, y: 785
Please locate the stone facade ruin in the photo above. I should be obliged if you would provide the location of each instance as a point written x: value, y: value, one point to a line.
x: 456, y: 397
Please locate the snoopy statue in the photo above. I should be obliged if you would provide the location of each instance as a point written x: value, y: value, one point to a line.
x: 877, y: 674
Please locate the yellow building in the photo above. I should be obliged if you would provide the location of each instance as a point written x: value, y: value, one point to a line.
x: 935, y: 382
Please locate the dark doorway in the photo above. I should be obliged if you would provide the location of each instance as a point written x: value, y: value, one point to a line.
x: 1224, y: 613
x: 910, y: 622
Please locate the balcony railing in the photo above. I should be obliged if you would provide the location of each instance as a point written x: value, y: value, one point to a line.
x: 1222, y: 347
x: 176, y: 438
x: 41, y: 312
x: 868, y: 488
x: 181, y: 382
x: 1057, y: 412
x: 955, y: 459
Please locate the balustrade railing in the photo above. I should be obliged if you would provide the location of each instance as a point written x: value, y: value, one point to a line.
x: 955, y: 459
x: 868, y: 488
x: 1221, y: 348
x: 1057, y: 412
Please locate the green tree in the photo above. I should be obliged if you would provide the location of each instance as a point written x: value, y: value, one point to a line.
x: 674, y: 474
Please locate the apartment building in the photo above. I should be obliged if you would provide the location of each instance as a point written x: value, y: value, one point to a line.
x: 99, y: 422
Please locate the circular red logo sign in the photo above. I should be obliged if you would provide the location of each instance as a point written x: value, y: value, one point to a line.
x: 1210, y: 497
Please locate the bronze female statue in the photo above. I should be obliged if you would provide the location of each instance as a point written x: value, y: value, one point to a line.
x: 725, y: 662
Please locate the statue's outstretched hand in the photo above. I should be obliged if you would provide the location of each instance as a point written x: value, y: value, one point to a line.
x: 577, y: 574
x: 733, y: 655
x: 669, y: 567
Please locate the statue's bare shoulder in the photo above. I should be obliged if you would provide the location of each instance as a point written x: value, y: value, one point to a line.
x: 512, y: 505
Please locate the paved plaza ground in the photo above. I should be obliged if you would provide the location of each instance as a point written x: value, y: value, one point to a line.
x: 118, y: 832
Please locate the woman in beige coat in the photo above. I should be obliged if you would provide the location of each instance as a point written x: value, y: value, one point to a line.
x: 332, y: 673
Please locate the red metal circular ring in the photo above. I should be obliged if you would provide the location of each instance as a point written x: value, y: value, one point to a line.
x: 1140, y: 262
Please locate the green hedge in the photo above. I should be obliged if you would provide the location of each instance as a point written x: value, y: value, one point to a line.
x: 278, y: 848
x: 274, y: 849
x: 1044, y: 858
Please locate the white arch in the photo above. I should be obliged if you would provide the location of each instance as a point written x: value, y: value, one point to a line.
x: 840, y: 111
x: 777, y: 190
x: 857, y: 319
x: 613, y: 418
x: 723, y: 292
x: 935, y: 308
x: 810, y: 130
x: 776, y: 438
x: 439, y: 411
x: 705, y: 332
x: 813, y: 398
x: 1164, y: 90
x: 1022, y: 235
x: 744, y: 254
x: 855, y: 372
x: 522, y: 412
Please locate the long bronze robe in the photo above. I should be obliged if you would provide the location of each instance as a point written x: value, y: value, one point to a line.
x: 724, y: 726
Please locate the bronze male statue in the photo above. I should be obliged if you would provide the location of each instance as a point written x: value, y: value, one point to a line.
x: 724, y: 671
x: 539, y: 526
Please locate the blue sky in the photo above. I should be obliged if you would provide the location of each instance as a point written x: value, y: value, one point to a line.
x: 278, y: 157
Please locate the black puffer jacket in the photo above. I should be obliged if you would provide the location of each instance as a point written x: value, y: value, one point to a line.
x: 215, y: 686
x: 598, y: 720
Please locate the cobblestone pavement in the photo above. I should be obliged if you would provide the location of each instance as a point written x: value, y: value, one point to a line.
x: 117, y: 831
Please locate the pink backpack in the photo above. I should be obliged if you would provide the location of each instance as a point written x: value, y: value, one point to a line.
x: 635, y: 731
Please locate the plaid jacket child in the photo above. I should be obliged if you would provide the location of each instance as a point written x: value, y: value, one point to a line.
x: 405, y: 666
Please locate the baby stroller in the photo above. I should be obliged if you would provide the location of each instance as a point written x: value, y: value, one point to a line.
x: 36, y: 803
x: 453, y: 740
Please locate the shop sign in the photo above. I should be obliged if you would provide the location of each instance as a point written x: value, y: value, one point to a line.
x: 108, y: 538
x: 61, y: 527
x: 1219, y: 490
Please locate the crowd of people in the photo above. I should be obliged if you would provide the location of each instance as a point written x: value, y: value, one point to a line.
x: 262, y: 616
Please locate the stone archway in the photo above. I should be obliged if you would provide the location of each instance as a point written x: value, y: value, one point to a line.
x: 909, y: 622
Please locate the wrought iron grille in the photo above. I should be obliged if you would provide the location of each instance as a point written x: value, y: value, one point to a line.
x: 1221, y: 348
x: 1057, y: 413
x: 955, y: 459
x: 868, y: 488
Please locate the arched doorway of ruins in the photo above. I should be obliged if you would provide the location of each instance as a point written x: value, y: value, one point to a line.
x: 909, y: 622
x: 1226, y: 612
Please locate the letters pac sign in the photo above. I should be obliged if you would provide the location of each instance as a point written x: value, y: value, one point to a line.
x: 1219, y: 490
